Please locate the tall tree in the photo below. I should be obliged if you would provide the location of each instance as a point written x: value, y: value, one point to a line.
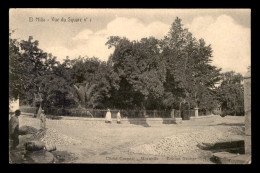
x: 190, y: 76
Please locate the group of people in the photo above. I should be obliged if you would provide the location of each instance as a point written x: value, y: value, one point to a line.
x: 109, y: 118
x: 14, y: 127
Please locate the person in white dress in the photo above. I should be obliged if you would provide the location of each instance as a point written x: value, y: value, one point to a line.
x: 108, y: 116
x: 118, y: 117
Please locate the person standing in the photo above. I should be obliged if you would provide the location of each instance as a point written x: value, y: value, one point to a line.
x: 14, y: 129
x: 38, y: 103
x: 118, y: 117
x: 108, y: 116
x: 42, y: 120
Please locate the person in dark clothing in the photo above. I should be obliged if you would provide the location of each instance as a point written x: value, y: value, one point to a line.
x: 14, y: 129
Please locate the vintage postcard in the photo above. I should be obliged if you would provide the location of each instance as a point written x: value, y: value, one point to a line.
x: 129, y: 86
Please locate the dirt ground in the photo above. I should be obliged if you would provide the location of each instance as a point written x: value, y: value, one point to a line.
x: 97, y: 142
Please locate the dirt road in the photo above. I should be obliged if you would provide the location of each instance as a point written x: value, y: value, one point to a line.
x: 98, y: 142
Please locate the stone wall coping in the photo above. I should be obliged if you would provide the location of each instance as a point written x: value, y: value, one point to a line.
x: 103, y: 119
x: 201, y: 117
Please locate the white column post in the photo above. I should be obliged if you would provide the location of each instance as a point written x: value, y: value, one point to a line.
x: 196, y: 112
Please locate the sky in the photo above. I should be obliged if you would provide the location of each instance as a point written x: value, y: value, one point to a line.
x: 85, y: 31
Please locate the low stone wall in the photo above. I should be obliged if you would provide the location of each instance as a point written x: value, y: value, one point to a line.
x: 137, y: 121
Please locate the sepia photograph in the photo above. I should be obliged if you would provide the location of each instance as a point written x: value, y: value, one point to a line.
x: 129, y: 86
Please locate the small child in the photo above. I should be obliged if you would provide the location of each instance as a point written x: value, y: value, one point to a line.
x: 118, y: 117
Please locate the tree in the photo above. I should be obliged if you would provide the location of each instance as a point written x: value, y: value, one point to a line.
x: 231, y: 93
x: 56, y: 84
x: 84, y: 93
x: 92, y: 80
x: 31, y: 70
x: 32, y: 59
x: 17, y: 82
x: 190, y: 76
x: 140, y: 68
x: 144, y: 74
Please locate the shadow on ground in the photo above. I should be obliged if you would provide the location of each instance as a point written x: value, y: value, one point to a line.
x: 235, y: 147
x: 229, y: 124
x: 142, y: 122
x: 167, y: 121
x: 231, y: 147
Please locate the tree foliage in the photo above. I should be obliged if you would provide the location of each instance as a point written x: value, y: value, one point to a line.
x: 190, y: 76
x: 139, y: 74
x: 231, y: 93
x: 16, y: 67
x: 139, y: 66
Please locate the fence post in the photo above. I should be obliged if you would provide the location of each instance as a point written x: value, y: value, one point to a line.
x: 172, y: 113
